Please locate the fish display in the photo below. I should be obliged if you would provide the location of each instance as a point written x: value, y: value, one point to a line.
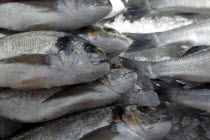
x: 41, y: 105
x: 192, y: 68
x: 109, y: 40
x: 21, y: 15
x: 135, y: 122
x: 49, y: 59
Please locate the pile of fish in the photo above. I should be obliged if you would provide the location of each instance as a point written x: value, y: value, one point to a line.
x: 66, y: 76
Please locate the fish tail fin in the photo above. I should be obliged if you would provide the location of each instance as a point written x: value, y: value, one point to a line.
x: 166, y: 91
x: 141, y: 68
x: 141, y: 42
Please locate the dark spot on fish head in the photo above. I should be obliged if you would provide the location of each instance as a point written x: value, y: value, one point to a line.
x: 66, y: 44
x: 119, y: 77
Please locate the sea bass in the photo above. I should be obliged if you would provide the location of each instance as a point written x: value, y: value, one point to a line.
x: 43, y: 105
x: 193, y: 68
x: 136, y: 122
x: 181, y: 7
x: 109, y: 40
x: 192, y: 35
x: 62, y: 15
x: 196, y: 98
x: 49, y: 59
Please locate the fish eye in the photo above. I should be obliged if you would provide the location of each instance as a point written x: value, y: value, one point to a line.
x: 91, y: 48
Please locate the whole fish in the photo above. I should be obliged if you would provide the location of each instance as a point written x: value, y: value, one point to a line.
x: 193, y: 68
x: 192, y: 35
x: 109, y: 40
x: 76, y: 126
x: 196, y: 98
x: 184, y: 7
x: 62, y: 15
x: 49, y: 59
x: 43, y: 105
x: 8, y: 128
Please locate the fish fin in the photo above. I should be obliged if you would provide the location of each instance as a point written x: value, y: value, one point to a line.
x: 32, y: 59
x: 166, y: 91
x: 141, y: 42
x: 195, y: 49
x: 143, y: 69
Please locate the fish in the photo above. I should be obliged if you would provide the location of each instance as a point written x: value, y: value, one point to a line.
x: 59, y: 15
x: 197, y: 98
x: 78, y: 126
x: 188, y: 36
x: 4, y: 32
x: 46, y: 59
x: 178, y: 7
x: 8, y: 128
x: 32, y: 106
x: 190, y: 68
x: 136, y: 125
x: 112, y: 42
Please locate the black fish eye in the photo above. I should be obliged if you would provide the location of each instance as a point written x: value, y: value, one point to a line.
x: 90, y: 48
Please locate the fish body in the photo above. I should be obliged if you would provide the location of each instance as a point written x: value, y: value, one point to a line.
x: 49, y: 59
x: 110, y: 41
x: 192, y: 68
x: 189, y: 36
x: 194, y: 98
x: 32, y: 106
x: 85, y: 125
x: 62, y: 15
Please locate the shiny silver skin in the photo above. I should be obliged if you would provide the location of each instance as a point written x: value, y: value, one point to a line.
x: 62, y: 15
x: 132, y: 121
x: 41, y: 105
x: 195, y: 98
x: 192, y: 68
x: 43, y: 59
x: 110, y: 41
x: 201, y: 7
x: 135, y: 125
x: 71, y: 127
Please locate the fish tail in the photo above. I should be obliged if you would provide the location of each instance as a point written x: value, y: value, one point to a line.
x: 166, y: 91
x: 140, y: 67
x: 141, y: 42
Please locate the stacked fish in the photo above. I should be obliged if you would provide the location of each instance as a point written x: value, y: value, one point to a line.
x: 52, y: 65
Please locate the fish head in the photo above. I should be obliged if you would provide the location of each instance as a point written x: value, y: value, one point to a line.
x: 147, y: 122
x: 112, y: 42
x: 120, y: 80
x: 82, y: 58
x: 88, y: 12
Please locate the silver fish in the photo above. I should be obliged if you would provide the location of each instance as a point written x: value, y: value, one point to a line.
x: 192, y: 35
x: 110, y: 41
x: 62, y: 15
x: 192, y: 68
x: 78, y: 126
x: 49, y: 59
x: 136, y: 125
x: 184, y: 7
x: 196, y: 98
x: 43, y: 105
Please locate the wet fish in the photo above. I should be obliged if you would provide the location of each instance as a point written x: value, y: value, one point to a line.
x: 136, y: 125
x: 77, y: 126
x: 181, y: 7
x: 8, y: 128
x: 4, y: 32
x: 49, y: 59
x: 195, y: 98
x: 192, y: 68
x: 192, y: 35
x: 43, y: 105
x: 110, y: 41
x: 62, y: 15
